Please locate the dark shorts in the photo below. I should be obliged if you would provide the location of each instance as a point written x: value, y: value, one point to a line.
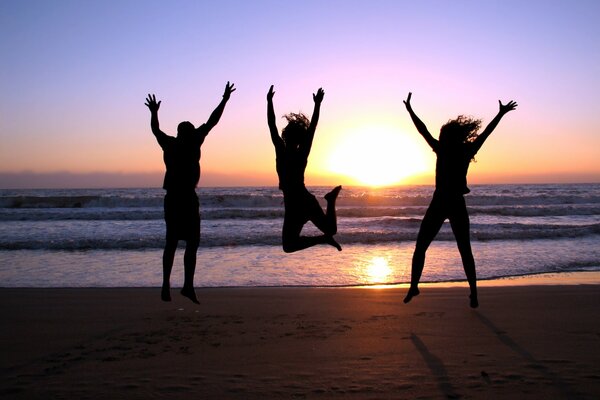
x: 444, y: 206
x: 447, y: 206
x: 182, y: 215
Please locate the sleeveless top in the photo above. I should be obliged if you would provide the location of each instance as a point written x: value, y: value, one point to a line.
x: 290, y: 170
x: 451, y: 169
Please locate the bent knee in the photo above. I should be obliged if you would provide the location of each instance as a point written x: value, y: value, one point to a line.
x: 289, y: 246
x: 288, y: 249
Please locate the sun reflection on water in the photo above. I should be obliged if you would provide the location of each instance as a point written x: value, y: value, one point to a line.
x: 377, y: 270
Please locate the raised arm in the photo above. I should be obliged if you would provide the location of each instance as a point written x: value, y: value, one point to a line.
x: 420, y: 125
x: 153, y: 106
x: 216, y: 114
x: 504, y: 108
x: 275, y: 138
x: 310, y: 133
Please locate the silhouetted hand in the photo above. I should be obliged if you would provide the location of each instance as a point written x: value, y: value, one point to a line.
x: 228, y: 90
x: 407, y: 101
x: 270, y: 94
x: 318, y: 98
x: 504, y: 108
x: 152, y: 104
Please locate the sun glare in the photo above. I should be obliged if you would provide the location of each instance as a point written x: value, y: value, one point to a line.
x: 378, y: 270
x: 377, y: 156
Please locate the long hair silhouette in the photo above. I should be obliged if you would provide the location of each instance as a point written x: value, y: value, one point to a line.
x: 292, y: 149
x: 455, y: 149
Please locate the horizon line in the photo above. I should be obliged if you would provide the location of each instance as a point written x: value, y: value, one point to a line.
x: 154, y: 179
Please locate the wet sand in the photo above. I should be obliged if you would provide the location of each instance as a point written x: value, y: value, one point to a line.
x: 525, y: 342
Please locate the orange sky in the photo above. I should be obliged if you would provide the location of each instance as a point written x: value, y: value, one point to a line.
x: 72, y: 106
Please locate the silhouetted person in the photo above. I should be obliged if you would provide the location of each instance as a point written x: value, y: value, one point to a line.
x: 292, y: 149
x: 181, y: 155
x: 457, y: 145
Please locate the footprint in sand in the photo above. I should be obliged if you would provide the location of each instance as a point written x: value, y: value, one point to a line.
x: 434, y: 314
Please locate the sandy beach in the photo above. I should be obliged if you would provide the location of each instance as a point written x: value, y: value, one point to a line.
x: 524, y: 342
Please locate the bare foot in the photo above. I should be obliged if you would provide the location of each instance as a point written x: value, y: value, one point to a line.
x: 332, y: 196
x: 412, y: 292
x: 331, y: 241
x: 165, y: 293
x: 474, y: 303
x: 190, y: 294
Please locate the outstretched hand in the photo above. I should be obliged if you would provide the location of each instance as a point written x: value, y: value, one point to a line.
x: 270, y: 94
x: 407, y: 101
x: 318, y: 98
x: 504, y: 108
x: 228, y: 90
x: 151, y: 103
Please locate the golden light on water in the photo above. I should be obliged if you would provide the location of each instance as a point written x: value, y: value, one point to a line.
x: 377, y: 156
x: 378, y: 270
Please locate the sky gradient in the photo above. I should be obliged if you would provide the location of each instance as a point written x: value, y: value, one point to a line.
x: 75, y: 74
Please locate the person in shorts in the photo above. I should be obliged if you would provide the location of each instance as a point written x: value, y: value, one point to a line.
x: 181, y: 155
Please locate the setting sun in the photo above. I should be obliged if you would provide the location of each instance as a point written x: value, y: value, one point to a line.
x: 377, y: 156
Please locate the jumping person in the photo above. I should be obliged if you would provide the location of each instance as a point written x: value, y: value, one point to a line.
x: 455, y: 149
x: 291, y: 150
x: 181, y: 155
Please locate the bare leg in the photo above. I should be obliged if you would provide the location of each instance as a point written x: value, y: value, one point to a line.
x: 332, y: 242
x: 326, y: 222
x: 292, y: 241
x: 292, y: 227
x: 331, y: 198
x: 291, y: 245
x: 430, y: 226
x: 189, y: 263
x: 168, y: 256
x: 461, y: 226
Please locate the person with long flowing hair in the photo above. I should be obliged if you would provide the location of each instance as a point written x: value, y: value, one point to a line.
x: 291, y: 151
x: 455, y: 149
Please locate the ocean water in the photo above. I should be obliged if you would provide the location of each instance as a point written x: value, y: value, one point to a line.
x: 114, y: 237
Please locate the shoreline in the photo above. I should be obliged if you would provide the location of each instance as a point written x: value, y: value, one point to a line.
x: 535, y: 279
